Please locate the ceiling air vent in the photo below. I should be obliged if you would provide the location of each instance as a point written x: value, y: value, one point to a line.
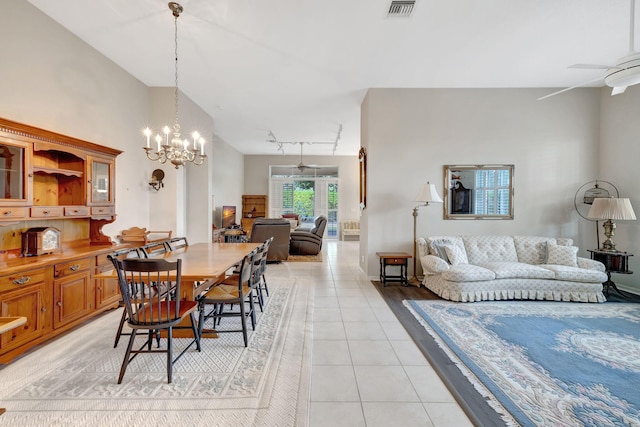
x: 401, y: 8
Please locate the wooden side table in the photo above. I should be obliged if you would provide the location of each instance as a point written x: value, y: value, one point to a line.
x: 7, y: 324
x: 614, y: 262
x: 399, y: 259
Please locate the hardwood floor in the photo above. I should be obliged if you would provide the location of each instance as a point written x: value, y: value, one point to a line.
x: 473, y: 404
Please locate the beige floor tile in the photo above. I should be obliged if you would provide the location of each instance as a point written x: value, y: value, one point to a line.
x: 372, y: 352
x: 329, y: 331
x: 358, y: 315
x: 391, y: 414
x: 428, y: 384
x: 330, y: 352
x: 327, y: 315
x: 336, y: 414
x: 447, y: 415
x: 395, y: 331
x: 364, y: 331
x: 333, y: 384
x: 408, y: 353
x: 384, y: 384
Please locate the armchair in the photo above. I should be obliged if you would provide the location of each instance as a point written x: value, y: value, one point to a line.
x: 309, y: 242
x: 278, y: 228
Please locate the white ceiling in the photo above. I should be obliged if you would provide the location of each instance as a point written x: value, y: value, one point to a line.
x: 300, y: 68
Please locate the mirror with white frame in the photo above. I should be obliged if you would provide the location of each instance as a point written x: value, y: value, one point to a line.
x: 478, y: 192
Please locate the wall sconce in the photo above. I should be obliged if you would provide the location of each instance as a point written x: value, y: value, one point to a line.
x: 156, y: 179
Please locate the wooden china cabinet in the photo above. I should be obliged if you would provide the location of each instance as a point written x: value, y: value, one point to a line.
x: 52, y: 180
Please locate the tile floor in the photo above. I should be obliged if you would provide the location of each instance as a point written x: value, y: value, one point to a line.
x: 366, y: 370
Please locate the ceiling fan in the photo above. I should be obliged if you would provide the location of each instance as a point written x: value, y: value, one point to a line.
x: 302, y: 166
x: 625, y: 73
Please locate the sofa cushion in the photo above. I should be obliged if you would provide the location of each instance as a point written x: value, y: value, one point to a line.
x: 518, y: 270
x: 562, y: 255
x: 468, y: 273
x: 456, y: 255
x: 576, y: 274
x: 532, y: 249
x: 483, y: 249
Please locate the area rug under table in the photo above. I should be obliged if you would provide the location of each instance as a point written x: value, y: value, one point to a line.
x: 544, y: 363
x: 73, y: 380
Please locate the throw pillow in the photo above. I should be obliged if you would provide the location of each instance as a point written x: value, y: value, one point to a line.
x: 432, y: 264
x: 456, y: 255
x: 438, y: 249
x: 562, y: 255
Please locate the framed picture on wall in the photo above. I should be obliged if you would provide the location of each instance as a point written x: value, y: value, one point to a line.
x: 362, y: 158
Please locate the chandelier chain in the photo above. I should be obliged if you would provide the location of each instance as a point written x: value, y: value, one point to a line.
x: 175, y: 150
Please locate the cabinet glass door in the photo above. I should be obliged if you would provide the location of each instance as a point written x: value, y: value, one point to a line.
x: 13, y: 173
x: 101, y: 182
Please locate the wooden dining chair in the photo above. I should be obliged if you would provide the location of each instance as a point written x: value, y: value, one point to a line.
x: 220, y: 295
x: 154, y: 311
x: 177, y: 243
x: 153, y: 249
x: 120, y: 255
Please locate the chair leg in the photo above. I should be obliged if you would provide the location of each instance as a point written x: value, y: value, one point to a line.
x: 123, y: 319
x: 196, y: 332
x: 125, y: 361
x: 266, y: 288
x: 253, y: 310
x: 243, y: 319
x: 169, y: 355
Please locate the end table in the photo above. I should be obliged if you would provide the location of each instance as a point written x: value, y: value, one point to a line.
x: 399, y: 259
x: 614, y: 262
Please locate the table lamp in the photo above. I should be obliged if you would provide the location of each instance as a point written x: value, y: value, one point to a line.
x: 427, y: 194
x: 610, y: 209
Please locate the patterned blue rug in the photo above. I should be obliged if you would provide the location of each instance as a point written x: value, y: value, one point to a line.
x: 544, y: 363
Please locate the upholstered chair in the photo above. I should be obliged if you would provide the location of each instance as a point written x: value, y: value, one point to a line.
x: 279, y: 229
x: 309, y: 242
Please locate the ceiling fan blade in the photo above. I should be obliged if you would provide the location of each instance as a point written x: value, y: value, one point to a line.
x: 593, y: 66
x: 617, y: 90
x: 569, y: 88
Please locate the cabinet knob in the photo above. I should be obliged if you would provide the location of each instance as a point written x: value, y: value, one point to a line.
x: 6, y: 213
x: 74, y: 267
x: 46, y: 212
x: 59, y: 303
x: 22, y: 280
x: 43, y: 309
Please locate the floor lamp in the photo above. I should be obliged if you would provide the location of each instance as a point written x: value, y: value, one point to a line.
x: 427, y: 194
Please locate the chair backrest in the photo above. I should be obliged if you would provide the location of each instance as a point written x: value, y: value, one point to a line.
x: 124, y: 254
x: 246, y: 270
x: 177, y: 243
x: 140, y: 281
x: 321, y: 223
x: 263, y: 258
x: 155, y: 248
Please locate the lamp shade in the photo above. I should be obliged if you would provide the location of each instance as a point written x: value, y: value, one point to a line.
x: 428, y: 194
x: 611, y: 208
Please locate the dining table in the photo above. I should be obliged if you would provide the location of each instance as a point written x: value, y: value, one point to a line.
x: 203, y: 265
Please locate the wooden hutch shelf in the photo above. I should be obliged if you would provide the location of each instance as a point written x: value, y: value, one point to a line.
x: 66, y: 183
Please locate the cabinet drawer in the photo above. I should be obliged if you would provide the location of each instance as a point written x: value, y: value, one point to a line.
x: 67, y: 268
x: 103, y: 210
x: 76, y: 211
x: 13, y: 213
x: 395, y: 261
x: 46, y: 211
x: 19, y: 280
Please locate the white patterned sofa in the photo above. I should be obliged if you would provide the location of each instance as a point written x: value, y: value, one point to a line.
x: 479, y: 268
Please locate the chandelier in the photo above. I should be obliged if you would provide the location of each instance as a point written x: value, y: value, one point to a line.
x: 177, y: 151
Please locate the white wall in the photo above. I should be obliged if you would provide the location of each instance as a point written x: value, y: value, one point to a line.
x: 411, y: 133
x: 51, y: 79
x: 256, y: 178
x: 228, y: 179
x: 619, y: 156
